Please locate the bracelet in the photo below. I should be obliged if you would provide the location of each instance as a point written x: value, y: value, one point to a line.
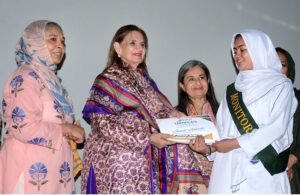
x: 209, y: 153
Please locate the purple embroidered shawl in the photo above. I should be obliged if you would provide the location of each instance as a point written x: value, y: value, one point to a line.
x: 122, y: 108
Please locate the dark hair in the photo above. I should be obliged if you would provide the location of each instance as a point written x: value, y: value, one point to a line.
x: 183, y: 98
x: 119, y: 37
x: 51, y: 24
x: 291, y: 63
x: 237, y: 36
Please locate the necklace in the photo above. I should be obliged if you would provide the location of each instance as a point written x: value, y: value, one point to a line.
x: 201, y: 108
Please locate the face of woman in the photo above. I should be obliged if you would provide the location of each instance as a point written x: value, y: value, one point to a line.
x: 195, y: 83
x: 132, y: 49
x: 241, y: 55
x: 284, y: 63
x: 55, y: 42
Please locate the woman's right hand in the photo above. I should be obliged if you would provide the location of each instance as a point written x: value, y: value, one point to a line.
x: 176, y: 114
x: 74, y: 132
x: 160, y: 140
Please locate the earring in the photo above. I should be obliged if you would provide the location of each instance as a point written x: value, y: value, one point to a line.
x: 119, y: 55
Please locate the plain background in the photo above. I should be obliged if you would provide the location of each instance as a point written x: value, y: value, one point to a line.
x: 178, y: 30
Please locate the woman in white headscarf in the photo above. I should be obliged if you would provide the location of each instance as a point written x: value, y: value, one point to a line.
x: 254, y: 122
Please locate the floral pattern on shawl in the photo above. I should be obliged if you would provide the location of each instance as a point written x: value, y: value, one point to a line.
x: 38, y: 173
x: 38, y: 141
x: 203, y: 161
x: 16, y: 84
x: 188, y: 172
x: 17, y: 117
x: 36, y: 77
x: 59, y: 109
x: 122, y: 109
x: 3, y: 105
x: 65, y: 174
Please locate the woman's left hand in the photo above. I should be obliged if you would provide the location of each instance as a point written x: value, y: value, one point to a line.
x: 160, y: 140
x: 74, y: 132
x: 292, y: 160
x: 290, y: 174
x: 226, y: 145
x: 176, y: 114
x: 198, y: 145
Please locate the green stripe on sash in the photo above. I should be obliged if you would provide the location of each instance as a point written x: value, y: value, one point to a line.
x: 244, y: 122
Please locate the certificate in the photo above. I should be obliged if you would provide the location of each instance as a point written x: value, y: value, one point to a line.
x: 186, y: 128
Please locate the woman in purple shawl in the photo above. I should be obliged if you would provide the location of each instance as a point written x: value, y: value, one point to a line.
x: 122, y: 152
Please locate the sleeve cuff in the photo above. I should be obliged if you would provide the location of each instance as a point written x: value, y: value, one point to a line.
x: 212, y: 156
x: 246, y: 146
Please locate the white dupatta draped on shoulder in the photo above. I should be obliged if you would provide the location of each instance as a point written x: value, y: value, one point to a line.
x: 269, y: 97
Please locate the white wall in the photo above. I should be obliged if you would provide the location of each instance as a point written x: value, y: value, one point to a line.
x: 178, y: 30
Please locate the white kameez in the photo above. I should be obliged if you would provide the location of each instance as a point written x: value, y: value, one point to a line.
x: 269, y: 97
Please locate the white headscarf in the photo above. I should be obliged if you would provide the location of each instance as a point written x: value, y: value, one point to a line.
x: 267, y: 68
x: 266, y: 74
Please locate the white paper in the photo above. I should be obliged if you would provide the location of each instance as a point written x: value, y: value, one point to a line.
x: 187, y: 128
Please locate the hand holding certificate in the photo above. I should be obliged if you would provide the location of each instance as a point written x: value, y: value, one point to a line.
x: 187, y: 128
